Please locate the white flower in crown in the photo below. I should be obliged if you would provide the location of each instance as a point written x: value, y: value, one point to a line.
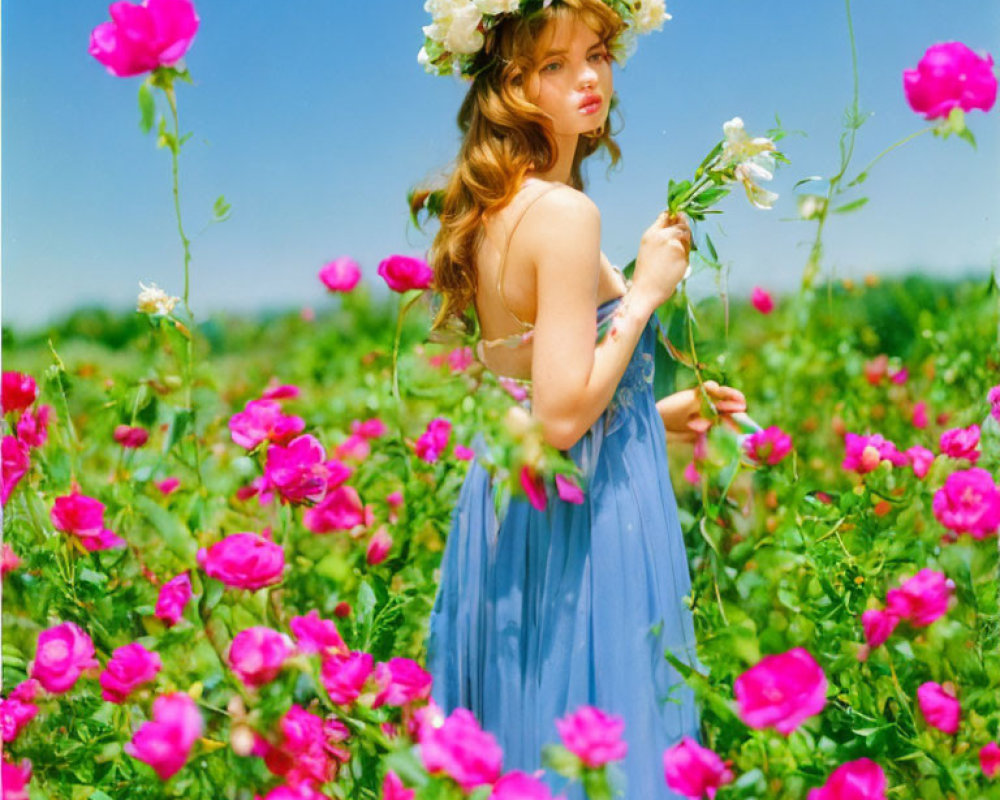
x: 649, y: 15
x: 498, y: 6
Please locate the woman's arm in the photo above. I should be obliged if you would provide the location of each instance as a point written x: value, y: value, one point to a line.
x: 682, y: 412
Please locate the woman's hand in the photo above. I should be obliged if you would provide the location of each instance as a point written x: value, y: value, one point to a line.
x: 682, y: 415
x: 663, y: 257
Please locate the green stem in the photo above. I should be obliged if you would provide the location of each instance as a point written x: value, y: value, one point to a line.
x: 889, y: 149
x: 403, y: 308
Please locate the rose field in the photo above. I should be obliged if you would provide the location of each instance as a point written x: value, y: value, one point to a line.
x: 222, y: 534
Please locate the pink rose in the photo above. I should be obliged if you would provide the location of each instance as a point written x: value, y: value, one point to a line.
x: 83, y: 517
x: 462, y: 750
x: 174, y: 595
x: 876, y: 369
x: 595, y: 737
x: 939, y: 706
x: 516, y: 785
x: 920, y: 459
x: 781, y: 691
x: 534, y: 488
x: 768, y: 446
x: 18, y: 709
x: 17, y: 391
x: 16, y: 463
x: 244, y: 561
x: 434, y: 440
x: 370, y: 428
x: 513, y: 388
x: 298, y: 472
x: 864, y: 453
x: 316, y: 635
x: 691, y: 474
x: 961, y: 443
x: 378, y: 546
x: 568, y: 491
x: 855, y: 780
x: 262, y: 420
x: 969, y: 502
x: 168, y: 485
x: 401, y: 681
x: 989, y: 759
x: 9, y: 559
x: 923, y: 598
x: 920, y: 415
x: 276, y: 391
x: 761, y: 300
x: 993, y: 398
x: 403, y: 273
x: 340, y: 275
x: 130, y: 666
x: 693, y: 770
x: 878, y: 625
x: 257, y: 654
x: 33, y: 429
x: 304, y: 748
x: 340, y: 510
x: 354, y: 447
x: 141, y: 38
x: 14, y: 778
x: 130, y: 437
x: 463, y: 453
x: 460, y: 359
x: 63, y: 652
x: 899, y: 376
x: 950, y: 75
x: 165, y: 742
x: 344, y: 676
x: 393, y: 789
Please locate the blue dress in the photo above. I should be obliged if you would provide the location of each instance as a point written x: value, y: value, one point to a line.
x: 540, y: 612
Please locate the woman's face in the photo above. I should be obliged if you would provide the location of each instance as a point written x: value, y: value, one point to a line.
x: 572, y: 82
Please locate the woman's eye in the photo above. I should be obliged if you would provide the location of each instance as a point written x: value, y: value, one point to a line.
x: 551, y: 67
x: 598, y: 56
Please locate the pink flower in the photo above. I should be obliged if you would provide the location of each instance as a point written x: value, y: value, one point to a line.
x: 939, y: 706
x: 969, y: 502
x: 595, y: 737
x: 403, y: 273
x: 174, y: 595
x: 394, y: 499
x: 864, y: 453
x: 761, y: 300
x: 781, y: 691
x: 855, y: 780
x: 961, y: 443
x: 257, y: 654
x: 33, y: 429
x: 165, y: 742
x: 393, y: 789
x: 460, y: 358
x: 83, y: 517
x: 876, y: 369
x: 989, y: 759
x: 17, y: 391
x: 18, y: 709
x: 16, y: 463
x: 340, y: 275
x: 920, y: 459
x: 693, y: 770
x: 262, y: 420
x: 513, y: 388
x: 370, y: 428
x: 568, y: 491
x: 463, y: 453
x: 993, y: 398
x: 691, y: 474
x: 340, y: 510
x: 899, y: 376
x: 344, y: 676
x: 168, y: 485
x: 276, y: 391
x: 768, y: 446
x: 130, y: 666
x: 878, y: 625
x: 141, y: 38
x: 401, y: 681
x: 950, y: 75
x: 63, y: 652
x: 378, y: 546
x: 304, y: 755
x: 298, y: 472
x: 9, y: 559
x: 533, y: 487
x: 462, y: 750
x: 434, y: 440
x: 923, y: 598
x: 920, y: 415
x: 131, y: 437
x: 516, y: 785
x: 316, y: 635
x: 354, y: 447
x: 14, y: 778
x: 244, y: 561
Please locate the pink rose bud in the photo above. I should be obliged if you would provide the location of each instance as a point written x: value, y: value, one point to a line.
x: 434, y: 440
x: 17, y: 391
x: 33, y: 428
x: 141, y: 38
x: 920, y: 459
x: 370, y: 428
x: 344, y: 676
x: 949, y: 76
x: 568, y: 491
x: 781, y: 691
x: 257, y: 654
x: 378, y: 546
x: 460, y: 359
x: 18, y: 709
x: 534, y: 488
x: 168, y: 485
x: 460, y: 749
x: 516, y: 785
x: 693, y: 770
x: 920, y: 415
x: 16, y: 463
x: 283, y: 391
x: 768, y: 446
x: 463, y: 453
x: 939, y: 706
x: 174, y: 595
x: 899, y: 376
x: 691, y: 474
x: 969, y: 502
x: 878, y: 625
x: 316, y: 635
x: 961, y: 443
x: 165, y: 742
x: 393, y: 789
x: 342, y: 609
x: 595, y: 737
x: 130, y: 666
x: 340, y: 275
x: 989, y: 759
x: 130, y: 437
x: 761, y: 300
x: 855, y: 780
x: 63, y: 652
x: 340, y: 510
x: 9, y: 560
x: 403, y: 273
x: 243, y: 561
x: 923, y: 598
x: 401, y: 681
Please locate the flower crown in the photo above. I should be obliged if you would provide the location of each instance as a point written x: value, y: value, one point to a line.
x: 455, y: 34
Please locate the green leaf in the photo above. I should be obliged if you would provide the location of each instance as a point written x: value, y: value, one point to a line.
x: 147, y: 108
x: 854, y: 205
x: 175, y: 535
x: 178, y: 426
x: 711, y: 248
x: 966, y: 134
x: 220, y: 210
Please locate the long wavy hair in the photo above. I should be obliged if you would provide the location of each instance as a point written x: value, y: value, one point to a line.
x: 505, y: 135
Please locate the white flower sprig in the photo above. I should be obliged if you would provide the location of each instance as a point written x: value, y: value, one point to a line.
x: 154, y: 301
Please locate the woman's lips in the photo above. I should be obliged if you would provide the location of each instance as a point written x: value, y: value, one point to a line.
x: 591, y: 103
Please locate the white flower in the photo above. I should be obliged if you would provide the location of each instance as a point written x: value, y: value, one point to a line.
x: 153, y: 300
x: 739, y: 146
x: 497, y: 6
x: 463, y: 34
x: 650, y: 15
x: 811, y: 206
x: 422, y: 58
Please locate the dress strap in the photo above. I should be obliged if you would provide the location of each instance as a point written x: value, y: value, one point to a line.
x: 503, y: 260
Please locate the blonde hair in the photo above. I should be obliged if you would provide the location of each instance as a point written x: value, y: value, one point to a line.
x: 505, y: 135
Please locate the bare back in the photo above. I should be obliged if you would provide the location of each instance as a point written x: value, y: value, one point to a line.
x: 513, y: 312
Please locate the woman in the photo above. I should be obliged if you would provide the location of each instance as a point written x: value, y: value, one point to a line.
x: 541, y: 612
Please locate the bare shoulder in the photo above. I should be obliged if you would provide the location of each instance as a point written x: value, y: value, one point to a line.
x: 559, y: 217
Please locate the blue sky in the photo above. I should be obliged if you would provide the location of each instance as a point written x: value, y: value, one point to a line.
x: 314, y: 119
